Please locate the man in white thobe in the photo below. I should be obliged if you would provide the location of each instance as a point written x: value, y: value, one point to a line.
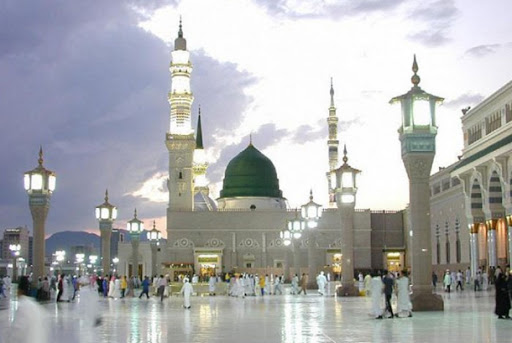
x: 295, y: 284
x: 187, y: 291
x: 376, y: 292
x: 211, y: 284
x: 404, y: 305
x: 277, y: 285
x: 321, y: 281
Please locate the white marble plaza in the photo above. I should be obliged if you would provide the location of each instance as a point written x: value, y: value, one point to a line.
x: 468, y: 317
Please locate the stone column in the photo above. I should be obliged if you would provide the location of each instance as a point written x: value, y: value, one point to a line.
x: 347, y: 249
x: 106, y: 233
x: 296, y: 256
x: 312, y: 261
x: 39, y: 206
x: 418, y: 166
x: 473, y: 243
x: 509, y: 245
x: 135, y: 256
x: 491, y: 243
x: 154, y: 266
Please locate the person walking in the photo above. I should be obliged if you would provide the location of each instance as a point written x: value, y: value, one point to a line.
x: 303, y: 283
x: 434, y: 279
x: 389, y: 285
x: 376, y: 294
x: 404, y: 306
x: 145, y: 287
x: 162, y: 284
x: 321, y: 281
x: 295, y: 284
x: 460, y: 278
x: 277, y: 285
x: 502, y: 297
x: 211, y: 284
x: 187, y: 291
x: 30, y: 319
x: 262, y: 285
x: 447, y: 281
x: 124, y: 285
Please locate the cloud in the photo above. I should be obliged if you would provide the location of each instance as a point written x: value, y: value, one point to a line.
x: 91, y: 86
x: 464, y: 100
x: 482, y: 50
x: 334, y: 9
x: 434, y: 19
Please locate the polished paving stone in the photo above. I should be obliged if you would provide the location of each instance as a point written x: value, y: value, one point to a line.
x: 468, y: 317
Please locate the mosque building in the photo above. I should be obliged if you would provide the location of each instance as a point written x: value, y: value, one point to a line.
x: 240, y: 231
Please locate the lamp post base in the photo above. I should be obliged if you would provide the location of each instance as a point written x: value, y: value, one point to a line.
x: 347, y: 290
x: 426, y: 301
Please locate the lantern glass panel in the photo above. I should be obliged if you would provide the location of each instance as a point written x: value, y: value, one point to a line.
x: 51, y: 182
x: 36, y: 182
x: 26, y: 181
x: 114, y: 213
x: 347, y: 179
x: 98, y: 212
x: 421, y: 112
x: 104, y: 213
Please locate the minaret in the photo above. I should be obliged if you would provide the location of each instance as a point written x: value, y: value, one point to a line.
x: 332, y: 143
x: 180, y: 138
x: 200, y: 164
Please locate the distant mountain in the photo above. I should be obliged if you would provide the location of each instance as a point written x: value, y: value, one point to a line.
x: 66, y: 239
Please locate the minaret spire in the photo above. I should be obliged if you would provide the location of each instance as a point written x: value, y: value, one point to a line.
x: 332, y: 94
x: 180, y: 31
x: 332, y: 143
x: 199, y: 132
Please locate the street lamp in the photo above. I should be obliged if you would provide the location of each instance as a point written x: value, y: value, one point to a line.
x: 311, y: 213
x: 154, y: 237
x: 135, y: 228
x: 346, y: 189
x: 418, y: 137
x: 79, y: 259
x: 39, y: 184
x: 15, y: 251
x: 115, y: 261
x: 106, y: 213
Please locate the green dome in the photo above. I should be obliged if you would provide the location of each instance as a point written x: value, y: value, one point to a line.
x: 251, y: 174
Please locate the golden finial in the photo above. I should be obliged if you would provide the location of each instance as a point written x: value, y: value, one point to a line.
x: 415, y: 79
x: 40, y: 160
x: 345, y: 158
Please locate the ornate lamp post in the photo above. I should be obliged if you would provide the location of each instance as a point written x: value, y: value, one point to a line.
x: 154, y: 237
x: 296, y: 227
x: 15, y: 251
x: 346, y: 189
x: 106, y: 213
x: 39, y: 184
x: 311, y: 213
x: 418, y: 138
x: 135, y: 228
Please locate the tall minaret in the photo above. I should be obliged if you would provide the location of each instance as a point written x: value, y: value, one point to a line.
x: 180, y: 138
x: 200, y: 163
x: 332, y: 143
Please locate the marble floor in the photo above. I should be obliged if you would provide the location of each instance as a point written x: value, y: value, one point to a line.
x: 468, y: 317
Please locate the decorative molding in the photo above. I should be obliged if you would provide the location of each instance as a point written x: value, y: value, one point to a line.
x: 183, y: 243
x: 249, y: 243
x: 214, y: 243
x: 276, y: 243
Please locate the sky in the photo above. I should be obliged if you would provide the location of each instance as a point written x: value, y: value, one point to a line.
x: 88, y: 81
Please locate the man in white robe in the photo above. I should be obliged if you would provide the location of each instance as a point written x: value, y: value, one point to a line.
x: 295, y: 284
x: 377, y: 287
x: 321, y: 281
x: 404, y: 305
x: 277, y: 285
x: 367, y: 284
x: 187, y: 291
x: 211, y: 284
